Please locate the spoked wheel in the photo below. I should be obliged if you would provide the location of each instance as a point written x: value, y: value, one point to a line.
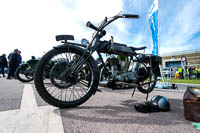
x: 104, y: 72
x: 60, y: 79
x: 148, y: 85
x: 24, y: 73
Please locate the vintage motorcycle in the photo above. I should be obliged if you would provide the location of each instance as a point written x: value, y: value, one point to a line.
x: 24, y: 72
x: 75, y: 76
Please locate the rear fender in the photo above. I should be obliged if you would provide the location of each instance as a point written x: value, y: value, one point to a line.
x: 24, y: 65
x: 155, y: 60
x: 156, y: 70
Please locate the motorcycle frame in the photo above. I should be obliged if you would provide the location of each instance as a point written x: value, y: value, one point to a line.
x: 93, y: 45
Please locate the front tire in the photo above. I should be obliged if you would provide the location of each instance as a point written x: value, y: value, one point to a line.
x: 60, y: 87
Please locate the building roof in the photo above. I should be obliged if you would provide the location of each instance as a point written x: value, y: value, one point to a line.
x: 181, y: 52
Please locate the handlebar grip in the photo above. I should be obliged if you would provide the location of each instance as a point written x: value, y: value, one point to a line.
x: 89, y: 24
x: 131, y: 16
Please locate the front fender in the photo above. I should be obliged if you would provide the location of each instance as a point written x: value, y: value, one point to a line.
x: 24, y: 65
x: 66, y: 45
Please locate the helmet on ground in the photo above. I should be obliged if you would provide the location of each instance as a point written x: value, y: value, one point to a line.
x: 161, y: 102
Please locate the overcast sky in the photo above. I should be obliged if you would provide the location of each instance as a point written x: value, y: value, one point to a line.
x: 31, y: 25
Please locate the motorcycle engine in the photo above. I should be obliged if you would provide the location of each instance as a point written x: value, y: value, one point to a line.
x: 119, y: 72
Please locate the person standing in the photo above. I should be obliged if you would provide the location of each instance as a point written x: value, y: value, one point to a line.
x: 190, y: 72
x: 3, y: 64
x: 19, y: 61
x: 13, y: 61
x: 181, y: 70
x: 19, y: 58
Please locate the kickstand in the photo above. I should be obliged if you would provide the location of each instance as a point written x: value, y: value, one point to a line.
x: 147, y: 96
x: 133, y: 92
x: 99, y: 90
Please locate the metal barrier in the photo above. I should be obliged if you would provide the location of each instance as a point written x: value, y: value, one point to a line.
x: 180, y: 75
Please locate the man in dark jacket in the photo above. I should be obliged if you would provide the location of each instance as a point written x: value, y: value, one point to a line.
x: 19, y: 59
x: 3, y: 64
x: 13, y: 62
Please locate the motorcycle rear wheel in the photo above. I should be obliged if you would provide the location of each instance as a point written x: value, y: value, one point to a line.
x: 147, y: 86
x: 72, y: 89
x: 24, y: 73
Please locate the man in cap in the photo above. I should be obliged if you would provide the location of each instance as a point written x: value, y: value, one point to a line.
x: 13, y: 62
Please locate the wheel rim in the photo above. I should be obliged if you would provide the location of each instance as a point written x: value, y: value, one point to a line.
x: 145, y: 84
x: 61, y: 84
x: 29, y: 73
x: 26, y: 73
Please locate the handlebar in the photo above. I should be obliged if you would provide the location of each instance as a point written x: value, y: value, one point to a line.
x: 131, y: 16
x: 89, y: 24
x: 105, y: 22
x: 100, y: 32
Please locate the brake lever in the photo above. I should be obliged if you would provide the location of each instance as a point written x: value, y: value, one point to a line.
x: 106, y: 19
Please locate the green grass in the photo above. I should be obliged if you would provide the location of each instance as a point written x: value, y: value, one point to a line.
x: 187, y: 81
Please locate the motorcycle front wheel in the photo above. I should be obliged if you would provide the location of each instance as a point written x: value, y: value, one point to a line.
x: 59, y: 83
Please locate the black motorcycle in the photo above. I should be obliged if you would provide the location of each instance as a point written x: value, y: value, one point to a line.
x: 24, y: 72
x: 76, y: 76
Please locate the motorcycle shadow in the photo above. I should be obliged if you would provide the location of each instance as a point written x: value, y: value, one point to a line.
x: 125, y: 113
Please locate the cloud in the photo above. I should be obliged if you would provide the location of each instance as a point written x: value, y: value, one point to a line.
x: 178, y: 25
x: 96, y: 11
x: 31, y: 25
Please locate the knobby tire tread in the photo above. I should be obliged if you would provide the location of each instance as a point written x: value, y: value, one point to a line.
x: 42, y: 90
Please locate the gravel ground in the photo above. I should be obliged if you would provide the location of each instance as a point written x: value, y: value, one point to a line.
x: 110, y: 111
x: 113, y: 112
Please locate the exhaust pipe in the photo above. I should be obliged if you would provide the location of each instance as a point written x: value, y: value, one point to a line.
x: 119, y: 85
x: 103, y: 83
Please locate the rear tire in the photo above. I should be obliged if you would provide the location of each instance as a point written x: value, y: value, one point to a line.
x: 148, y: 88
x: 43, y: 78
x: 24, y: 73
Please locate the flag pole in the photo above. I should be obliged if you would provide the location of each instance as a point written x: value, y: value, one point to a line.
x: 158, y: 31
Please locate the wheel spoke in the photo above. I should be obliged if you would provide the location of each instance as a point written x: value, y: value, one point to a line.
x: 84, y: 83
x: 67, y: 77
x: 77, y: 92
x: 53, y: 91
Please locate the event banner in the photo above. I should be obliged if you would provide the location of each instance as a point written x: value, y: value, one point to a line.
x: 153, y: 21
x: 199, y: 59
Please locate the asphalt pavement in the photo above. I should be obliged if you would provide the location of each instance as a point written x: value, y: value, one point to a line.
x: 22, y: 110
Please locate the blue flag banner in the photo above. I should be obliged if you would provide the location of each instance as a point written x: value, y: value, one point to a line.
x: 199, y: 59
x: 153, y: 21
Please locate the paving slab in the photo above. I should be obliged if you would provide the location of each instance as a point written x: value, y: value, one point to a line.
x: 113, y: 112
